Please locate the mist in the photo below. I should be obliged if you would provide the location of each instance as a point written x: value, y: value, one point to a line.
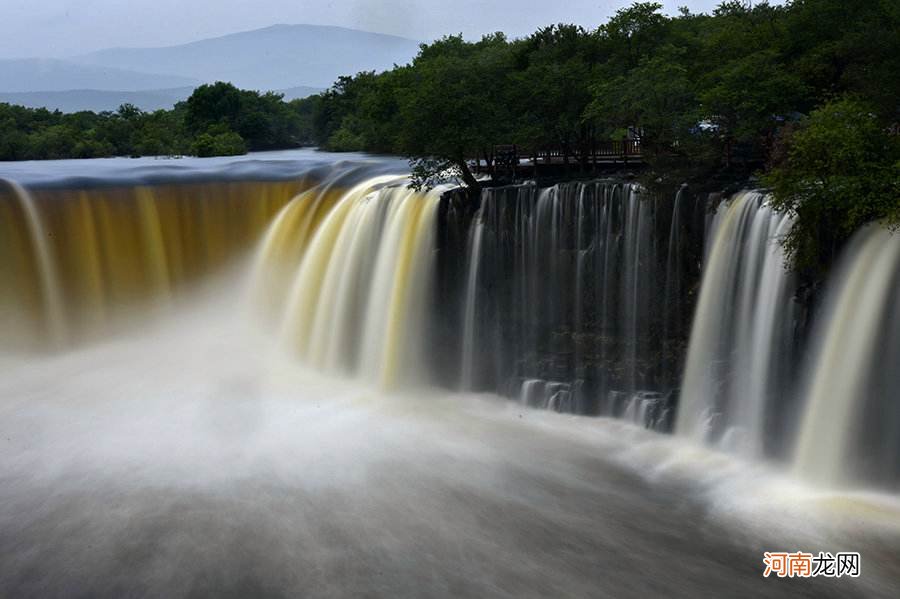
x: 193, y: 458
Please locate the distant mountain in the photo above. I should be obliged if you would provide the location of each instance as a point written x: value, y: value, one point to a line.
x: 275, y: 57
x: 39, y: 74
x: 76, y: 100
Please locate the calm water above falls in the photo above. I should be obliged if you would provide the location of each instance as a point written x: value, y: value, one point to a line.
x: 230, y: 378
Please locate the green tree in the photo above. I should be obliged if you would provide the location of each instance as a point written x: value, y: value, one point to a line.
x: 839, y: 172
x: 218, y: 140
x: 304, y: 109
x: 551, y: 92
x: 444, y: 114
x: 336, y: 104
x: 841, y: 46
x: 632, y: 35
x: 212, y: 104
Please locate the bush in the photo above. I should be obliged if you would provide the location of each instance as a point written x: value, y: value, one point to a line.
x: 344, y: 140
x: 218, y: 141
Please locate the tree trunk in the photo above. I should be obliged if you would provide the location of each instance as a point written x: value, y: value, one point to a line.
x: 468, y: 178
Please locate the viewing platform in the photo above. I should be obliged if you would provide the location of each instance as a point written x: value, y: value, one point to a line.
x: 522, y: 161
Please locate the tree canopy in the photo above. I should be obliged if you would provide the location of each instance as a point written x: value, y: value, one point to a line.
x: 741, y: 92
x: 840, y: 170
x: 217, y: 119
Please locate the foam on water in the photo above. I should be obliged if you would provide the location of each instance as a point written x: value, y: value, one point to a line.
x: 195, y: 457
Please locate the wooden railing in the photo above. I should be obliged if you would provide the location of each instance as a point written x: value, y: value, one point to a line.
x: 625, y: 147
x: 601, y: 151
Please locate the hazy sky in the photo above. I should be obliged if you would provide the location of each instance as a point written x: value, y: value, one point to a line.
x: 60, y: 28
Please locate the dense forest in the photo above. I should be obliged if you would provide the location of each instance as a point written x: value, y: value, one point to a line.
x: 805, y: 95
x: 217, y: 120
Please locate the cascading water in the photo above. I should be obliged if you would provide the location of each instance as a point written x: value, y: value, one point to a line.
x: 571, y: 301
x: 360, y: 290
x: 90, y: 253
x: 468, y: 358
x: 197, y: 457
x: 739, y: 360
x: 850, y: 427
x: 572, y: 297
x: 830, y: 410
x: 51, y: 300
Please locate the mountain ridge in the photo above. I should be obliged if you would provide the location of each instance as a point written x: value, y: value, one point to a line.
x: 51, y: 74
x: 273, y: 57
x: 294, y: 59
x: 274, y: 26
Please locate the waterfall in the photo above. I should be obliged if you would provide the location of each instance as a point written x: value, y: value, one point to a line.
x: 569, y: 291
x: 86, y: 254
x: 329, y: 368
x: 469, y: 355
x: 832, y: 411
x: 850, y: 429
x: 740, y: 343
x: 45, y: 267
x: 674, y: 299
x: 358, y: 291
x: 574, y: 298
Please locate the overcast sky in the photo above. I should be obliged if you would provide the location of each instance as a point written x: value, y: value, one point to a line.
x: 61, y: 28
